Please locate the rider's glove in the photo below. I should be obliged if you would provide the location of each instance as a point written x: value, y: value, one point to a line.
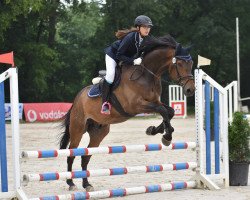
x: 137, y: 61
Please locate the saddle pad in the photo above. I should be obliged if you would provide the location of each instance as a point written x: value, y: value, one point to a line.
x: 94, y: 91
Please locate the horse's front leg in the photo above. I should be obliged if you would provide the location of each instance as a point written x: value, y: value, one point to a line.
x: 152, y: 130
x: 165, y: 111
x: 167, y: 137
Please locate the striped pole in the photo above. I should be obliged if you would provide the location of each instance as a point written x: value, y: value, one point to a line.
x: 121, y: 192
x: 106, y: 150
x: 108, y: 172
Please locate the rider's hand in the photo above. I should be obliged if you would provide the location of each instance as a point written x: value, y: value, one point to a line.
x: 137, y: 61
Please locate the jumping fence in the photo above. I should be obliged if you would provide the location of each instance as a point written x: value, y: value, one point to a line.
x: 205, y: 176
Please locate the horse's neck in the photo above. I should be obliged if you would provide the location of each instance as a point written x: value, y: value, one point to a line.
x: 136, y: 81
x: 157, y: 61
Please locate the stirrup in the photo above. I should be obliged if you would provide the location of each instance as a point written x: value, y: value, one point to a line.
x: 106, y: 107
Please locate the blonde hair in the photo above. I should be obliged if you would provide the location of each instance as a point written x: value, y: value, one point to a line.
x: 120, y: 34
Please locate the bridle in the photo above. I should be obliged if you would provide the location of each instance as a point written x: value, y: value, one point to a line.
x: 174, y: 62
x: 179, y: 77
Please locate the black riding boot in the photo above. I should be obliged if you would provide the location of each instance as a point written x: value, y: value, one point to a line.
x: 106, y: 106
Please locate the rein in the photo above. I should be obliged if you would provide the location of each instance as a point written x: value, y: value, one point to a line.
x: 143, y: 68
x: 180, y: 78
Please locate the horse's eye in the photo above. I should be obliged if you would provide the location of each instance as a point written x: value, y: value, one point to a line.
x: 180, y: 64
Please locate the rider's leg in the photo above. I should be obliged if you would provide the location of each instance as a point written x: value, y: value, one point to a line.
x: 109, y: 78
x: 110, y: 69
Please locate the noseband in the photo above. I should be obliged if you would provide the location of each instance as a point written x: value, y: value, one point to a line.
x: 179, y: 77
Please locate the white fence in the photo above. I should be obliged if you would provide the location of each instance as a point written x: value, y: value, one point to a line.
x: 178, y: 101
x: 232, y: 95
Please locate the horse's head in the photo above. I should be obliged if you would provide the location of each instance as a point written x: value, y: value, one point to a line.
x: 180, y: 69
x: 178, y: 61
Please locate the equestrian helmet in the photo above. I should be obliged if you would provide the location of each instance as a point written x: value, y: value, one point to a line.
x: 143, y: 20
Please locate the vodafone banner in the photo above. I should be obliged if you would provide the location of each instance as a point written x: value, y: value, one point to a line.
x: 45, y: 112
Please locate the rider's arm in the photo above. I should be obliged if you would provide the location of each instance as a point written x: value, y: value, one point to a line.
x: 125, y: 46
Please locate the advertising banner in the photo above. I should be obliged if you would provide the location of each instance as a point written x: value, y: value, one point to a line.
x: 45, y: 112
x: 7, y: 108
x: 179, y: 108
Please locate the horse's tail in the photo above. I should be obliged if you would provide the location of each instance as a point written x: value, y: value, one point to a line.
x: 64, y: 139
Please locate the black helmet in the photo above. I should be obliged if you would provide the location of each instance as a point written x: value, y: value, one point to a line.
x: 143, y: 20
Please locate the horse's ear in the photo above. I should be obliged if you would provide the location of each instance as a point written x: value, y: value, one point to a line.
x: 188, y: 49
x: 178, y: 49
x: 179, y: 46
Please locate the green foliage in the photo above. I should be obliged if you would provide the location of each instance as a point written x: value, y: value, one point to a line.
x: 238, y: 139
x: 78, y: 47
x: 11, y: 10
x: 190, y: 111
x: 58, y: 45
x: 37, y: 81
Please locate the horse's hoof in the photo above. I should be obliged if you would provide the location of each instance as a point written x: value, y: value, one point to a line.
x: 72, y: 188
x: 165, y: 141
x: 150, y: 130
x: 89, y: 188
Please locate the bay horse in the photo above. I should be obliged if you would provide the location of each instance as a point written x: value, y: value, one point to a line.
x: 138, y: 92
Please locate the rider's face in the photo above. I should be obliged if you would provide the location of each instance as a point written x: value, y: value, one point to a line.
x: 144, y: 30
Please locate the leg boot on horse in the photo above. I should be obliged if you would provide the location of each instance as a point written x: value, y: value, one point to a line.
x: 167, y: 113
x: 152, y: 130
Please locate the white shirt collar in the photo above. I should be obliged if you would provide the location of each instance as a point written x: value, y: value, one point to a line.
x: 140, y: 39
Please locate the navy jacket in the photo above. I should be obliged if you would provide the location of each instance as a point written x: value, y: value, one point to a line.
x: 125, y: 49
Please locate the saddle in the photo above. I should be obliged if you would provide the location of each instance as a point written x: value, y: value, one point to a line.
x: 96, y: 90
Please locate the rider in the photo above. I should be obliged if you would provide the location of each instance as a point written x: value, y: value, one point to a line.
x: 123, y: 50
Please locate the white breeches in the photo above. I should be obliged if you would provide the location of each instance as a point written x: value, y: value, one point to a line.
x: 110, y: 69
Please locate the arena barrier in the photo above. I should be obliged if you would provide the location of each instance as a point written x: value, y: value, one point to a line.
x: 206, y: 172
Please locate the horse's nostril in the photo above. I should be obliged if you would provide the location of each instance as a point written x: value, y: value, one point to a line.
x: 189, y: 92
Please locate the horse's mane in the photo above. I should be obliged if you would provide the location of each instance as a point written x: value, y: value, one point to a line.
x: 150, y: 43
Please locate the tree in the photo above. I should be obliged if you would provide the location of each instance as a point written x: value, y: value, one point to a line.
x: 34, y: 54
x: 79, y: 48
x: 58, y: 45
x: 10, y: 12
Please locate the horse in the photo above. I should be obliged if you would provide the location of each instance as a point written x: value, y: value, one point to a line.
x: 139, y: 91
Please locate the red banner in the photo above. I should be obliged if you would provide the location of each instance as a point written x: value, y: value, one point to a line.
x: 45, y: 112
x: 179, y: 108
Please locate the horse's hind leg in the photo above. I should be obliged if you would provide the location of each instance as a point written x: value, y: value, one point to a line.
x: 152, y: 130
x: 97, y: 133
